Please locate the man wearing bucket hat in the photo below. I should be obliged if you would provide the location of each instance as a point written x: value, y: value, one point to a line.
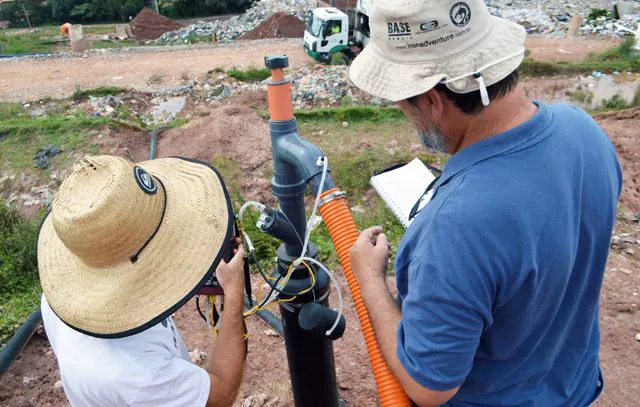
x: 499, y: 273
x: 123, y: 248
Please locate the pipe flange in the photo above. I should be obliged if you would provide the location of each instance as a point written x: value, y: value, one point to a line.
x: 332, y: 196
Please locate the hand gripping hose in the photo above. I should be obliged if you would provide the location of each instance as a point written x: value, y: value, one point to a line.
x: 344, y: 233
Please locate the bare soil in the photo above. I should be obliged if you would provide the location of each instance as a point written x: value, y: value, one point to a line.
x: 143, y: 68
x: 165, y: 65
x: 279, y: 25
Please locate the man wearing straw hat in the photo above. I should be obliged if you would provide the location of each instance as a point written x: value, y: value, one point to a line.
x: 499, y: 274
x: 124, y: 247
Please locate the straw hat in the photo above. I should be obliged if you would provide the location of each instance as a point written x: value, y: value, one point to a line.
x: 126, y: 245
x: 416, y: 44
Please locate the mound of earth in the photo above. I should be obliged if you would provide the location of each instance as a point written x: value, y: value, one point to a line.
x: 234, y: 133
x: 149, y: 25
x: 279, y: 25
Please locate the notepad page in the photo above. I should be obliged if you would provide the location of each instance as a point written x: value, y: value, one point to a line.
x: 401, y: 188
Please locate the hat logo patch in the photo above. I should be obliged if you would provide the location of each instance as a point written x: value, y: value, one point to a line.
x: 145, y: 181
x: 460, y: 14
x: 398, y: 30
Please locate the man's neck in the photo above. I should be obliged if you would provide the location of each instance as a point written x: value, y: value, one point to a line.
x: 501, y: 115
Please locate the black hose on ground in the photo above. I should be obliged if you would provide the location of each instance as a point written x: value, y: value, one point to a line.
x: 12, y: 349
x: 154, y: 140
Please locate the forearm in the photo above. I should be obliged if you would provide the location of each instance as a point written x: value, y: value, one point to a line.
x: 385, y: 317
x: 227, y: 362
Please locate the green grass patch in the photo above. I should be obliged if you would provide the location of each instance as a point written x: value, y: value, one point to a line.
x: 251, y: 74
x: 23, y: 136
x: 582, y: 96
x: 19, y: 286
x: 620, y: 58
x: 350, y: 114
x: 101, y: 91
x: 28, y: 43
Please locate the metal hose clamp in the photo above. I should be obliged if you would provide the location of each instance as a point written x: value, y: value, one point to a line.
x: 331, y: 197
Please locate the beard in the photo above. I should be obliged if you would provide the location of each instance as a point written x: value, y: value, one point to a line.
x: 433, y: 139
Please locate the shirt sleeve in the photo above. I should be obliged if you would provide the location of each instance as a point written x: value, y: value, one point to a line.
x: 176, y: 382
x: 447, y: 307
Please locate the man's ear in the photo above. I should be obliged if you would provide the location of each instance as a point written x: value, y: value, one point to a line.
x: 436, y: 103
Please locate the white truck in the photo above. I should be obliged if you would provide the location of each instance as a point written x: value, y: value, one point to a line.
x: 330, y: 31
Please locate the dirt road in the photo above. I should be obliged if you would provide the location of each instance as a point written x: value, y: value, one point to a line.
x: 162, y: 67
x: 140, y: 69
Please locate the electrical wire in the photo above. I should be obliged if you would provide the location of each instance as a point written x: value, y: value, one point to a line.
x: 312, y: 219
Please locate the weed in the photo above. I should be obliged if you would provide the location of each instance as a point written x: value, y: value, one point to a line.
x: 346, y: 101
x: 155, y: 79
x: 251, y: 74
x: 19, y: 288
x: 582, y: 96
x: 218, y: 70
x: 596, y: 13
x: 617, y: 102
x: 351, y: 114
x: 80, y: 94
x: 338, y: 59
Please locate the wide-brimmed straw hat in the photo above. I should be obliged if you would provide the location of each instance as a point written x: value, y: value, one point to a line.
x: 417, y: 44
x: 126, y: 245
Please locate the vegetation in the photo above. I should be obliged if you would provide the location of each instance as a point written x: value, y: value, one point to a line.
x: 338, y: 59
x: 596, y: 13
x: 582, y: 96
x: 351, y: 114
x: 620, y: 58
x: 19, y: 287
x: 82, y: 11
x: 80, y: 94
x: 251, y: 74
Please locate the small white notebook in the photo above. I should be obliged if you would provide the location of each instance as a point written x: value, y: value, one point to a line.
x: 401, y: 188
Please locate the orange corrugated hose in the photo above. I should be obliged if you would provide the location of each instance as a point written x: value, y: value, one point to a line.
x: 344, y: 233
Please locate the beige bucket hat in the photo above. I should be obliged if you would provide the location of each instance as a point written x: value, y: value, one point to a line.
x: 126, y: 245
x: 416, y: 44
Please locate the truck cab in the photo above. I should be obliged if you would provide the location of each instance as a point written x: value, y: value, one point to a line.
x: 327, y: 33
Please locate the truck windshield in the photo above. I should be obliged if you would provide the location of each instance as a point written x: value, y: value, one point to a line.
x: 314, y: 24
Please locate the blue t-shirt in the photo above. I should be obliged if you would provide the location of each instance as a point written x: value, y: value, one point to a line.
x: 500, y: 273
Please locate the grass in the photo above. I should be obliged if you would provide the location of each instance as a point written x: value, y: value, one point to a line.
x: 48, y: 39
x: 621, y: 58
x: 22, y: 136
x: 350, y: 114
x: 19, y: 286
x: 251, y: 74
x: 101, y: 91
x: 582, y: 96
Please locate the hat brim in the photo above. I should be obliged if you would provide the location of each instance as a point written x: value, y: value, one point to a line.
x: 379, y: 76
x: 127, y: 298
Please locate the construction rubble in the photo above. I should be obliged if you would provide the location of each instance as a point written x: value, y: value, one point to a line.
x: 237, y: 26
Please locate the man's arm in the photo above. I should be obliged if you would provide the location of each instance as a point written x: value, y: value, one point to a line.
x: 226, y: 364
x: 369, y: 258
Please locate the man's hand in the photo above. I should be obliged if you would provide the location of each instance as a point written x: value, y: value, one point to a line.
x: 231, y: 275
x: 370, y: 255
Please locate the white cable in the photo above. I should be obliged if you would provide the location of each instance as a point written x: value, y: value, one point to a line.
x: 312, y: 219
x: 337, y: 287
x: 247, y: 205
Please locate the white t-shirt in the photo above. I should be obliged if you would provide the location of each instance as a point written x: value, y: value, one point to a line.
x: 152, y: 368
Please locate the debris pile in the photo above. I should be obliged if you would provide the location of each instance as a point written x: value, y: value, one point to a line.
x: 279, y: 25
x: 227, y: 30
x: 105, y: 106
x: 44, y: 156
x: 149, y: 25
x: 552, y: 17
x: 317, y: 86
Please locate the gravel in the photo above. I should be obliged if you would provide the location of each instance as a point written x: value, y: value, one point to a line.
x: 227, y: 30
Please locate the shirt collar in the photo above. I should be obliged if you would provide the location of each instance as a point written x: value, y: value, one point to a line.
x: 495, y: 145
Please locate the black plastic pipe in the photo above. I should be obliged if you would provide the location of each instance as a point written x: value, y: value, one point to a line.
x: 12, y: 349
x: 273, y: 321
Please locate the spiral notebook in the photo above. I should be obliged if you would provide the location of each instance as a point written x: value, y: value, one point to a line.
x: 401, y: 187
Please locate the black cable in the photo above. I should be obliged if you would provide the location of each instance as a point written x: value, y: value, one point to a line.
x: 198, y: 308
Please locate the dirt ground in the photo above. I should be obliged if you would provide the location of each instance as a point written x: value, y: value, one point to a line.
x: 32, y: 379
x: 148, y: 68
x: 164, y: 66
